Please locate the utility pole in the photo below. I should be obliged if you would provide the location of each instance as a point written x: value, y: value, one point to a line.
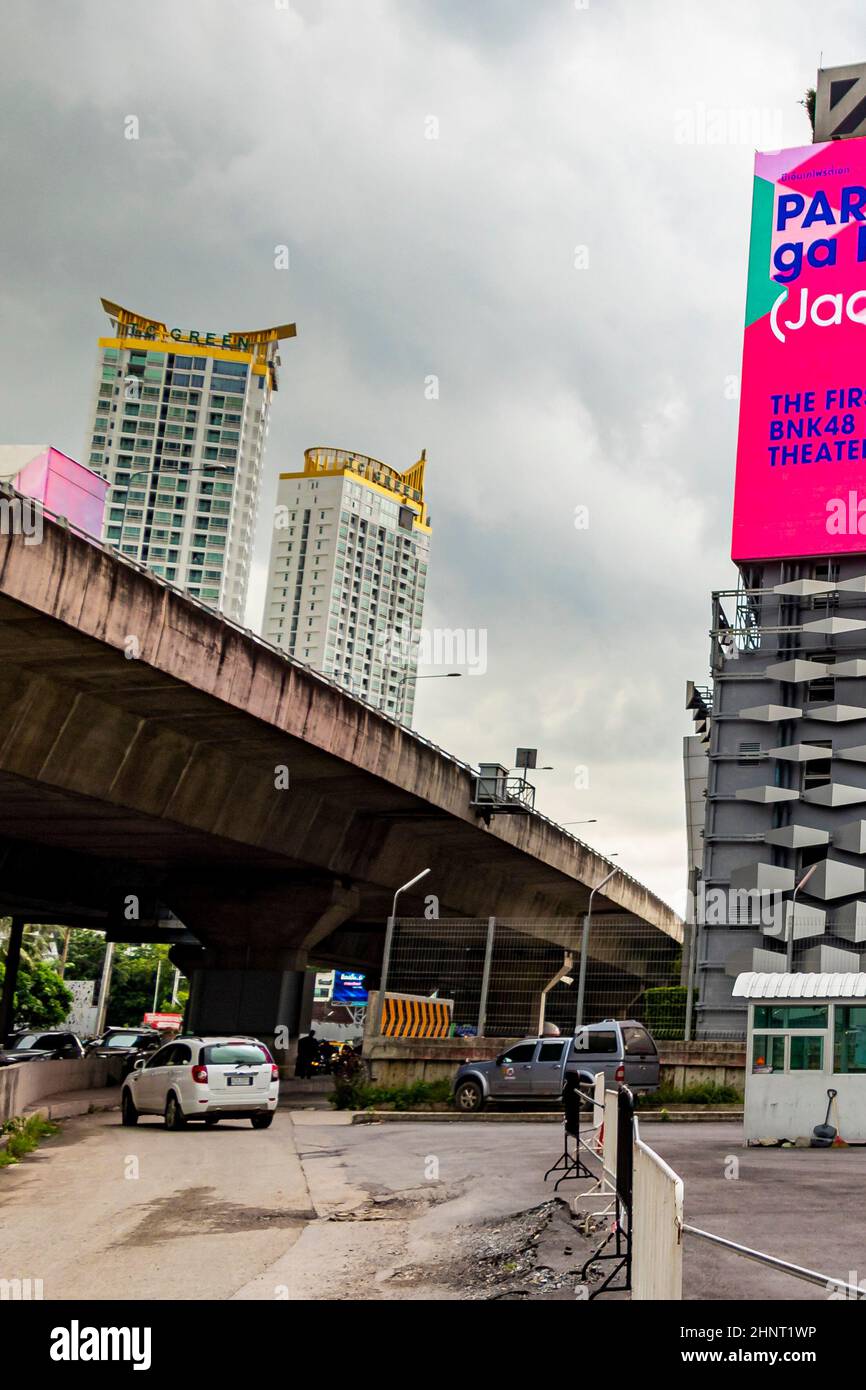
x: 66, y: 935
x: 104, y: 986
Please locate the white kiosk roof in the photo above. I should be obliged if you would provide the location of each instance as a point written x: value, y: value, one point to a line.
x: 754, y: 984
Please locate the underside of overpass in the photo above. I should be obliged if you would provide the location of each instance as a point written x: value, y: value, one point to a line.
x: 154, y: 756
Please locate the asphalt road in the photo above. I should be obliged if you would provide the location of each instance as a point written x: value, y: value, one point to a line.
x: 316, y: 1208
x: 801, y: 1205
x: 146, y: 1213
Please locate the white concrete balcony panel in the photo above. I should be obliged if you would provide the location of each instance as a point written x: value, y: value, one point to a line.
x: 797, y: 837
x: 799, y: 753
x: 831, y: 627
x: 755, y: 958
x: 797, y: 670
x: 808, y: 920
x: 837, y: 714
x: 770, y: 714
x: 832, y: 879
x: 851, y: 837
x: 856, y: 667
x: 849, y: 921
x: 829, y: 960
x: 835, y: 794
x: 763, y: 878
x: 804, y: 588
x: 767, y: 796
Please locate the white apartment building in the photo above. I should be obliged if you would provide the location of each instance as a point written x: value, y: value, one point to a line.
x: 348, y: 571
x: 179, y: 424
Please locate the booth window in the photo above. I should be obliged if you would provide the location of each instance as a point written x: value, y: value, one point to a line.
x: 790, y: 1016
x: 807, y: 1053
x: 768, y: 1052
x: 791, y: 1050
x: 849, y: 1039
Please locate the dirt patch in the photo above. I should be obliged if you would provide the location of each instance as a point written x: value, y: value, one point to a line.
x: 397, y: 1206
x: 196, y: 1211
x: 536, y: 1254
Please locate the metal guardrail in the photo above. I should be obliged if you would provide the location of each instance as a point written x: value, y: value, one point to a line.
x: 810, y: 1276
x: 111, y: 551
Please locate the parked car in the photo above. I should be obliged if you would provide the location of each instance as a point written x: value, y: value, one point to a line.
x: 209, y: 1079
x: 33, y: 1046
x: 125, y: 1045
x: 535, y: 1068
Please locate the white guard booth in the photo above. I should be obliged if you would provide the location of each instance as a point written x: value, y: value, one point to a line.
x: 807, y: 1034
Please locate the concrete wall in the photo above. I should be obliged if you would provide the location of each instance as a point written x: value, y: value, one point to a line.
x: 698, y: 1063
x: 399, y: 1062
x: 788, y: 1105
x: 24, y: 1084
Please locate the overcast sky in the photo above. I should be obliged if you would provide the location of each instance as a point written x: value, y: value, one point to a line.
x: 567, y: 257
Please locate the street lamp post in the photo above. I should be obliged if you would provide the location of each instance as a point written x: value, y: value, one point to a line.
x: 584, y: 949
x: 789, y: 935
x: 389, y: 936
x: 436, y: 676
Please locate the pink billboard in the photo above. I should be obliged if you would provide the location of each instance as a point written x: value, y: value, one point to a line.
x: 801, y: 450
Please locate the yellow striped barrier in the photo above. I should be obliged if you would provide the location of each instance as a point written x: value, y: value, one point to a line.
x: 412, y: 1016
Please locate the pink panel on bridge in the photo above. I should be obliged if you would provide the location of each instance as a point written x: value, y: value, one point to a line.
x: 65, y: 488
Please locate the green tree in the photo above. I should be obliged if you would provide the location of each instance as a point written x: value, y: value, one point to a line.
x: 809, y: 102
x: 41, y: 999
x: 85, y: 955
x: 133, y: 980
x: 38, y: 943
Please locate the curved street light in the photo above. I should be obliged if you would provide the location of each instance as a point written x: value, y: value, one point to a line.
x: 584, y: 948
x: 386, y: 952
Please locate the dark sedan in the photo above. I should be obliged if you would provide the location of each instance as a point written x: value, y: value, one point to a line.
x: 125, y: 1045
x: 32, y: 1046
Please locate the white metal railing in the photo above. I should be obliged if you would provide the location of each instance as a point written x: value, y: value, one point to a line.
x: 657, y: 1226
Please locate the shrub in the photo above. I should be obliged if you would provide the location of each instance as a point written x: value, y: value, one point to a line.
x: 361, y: 1095
x: 665, y: 1011
x: 24, y: 1133
x: 703, y: 1093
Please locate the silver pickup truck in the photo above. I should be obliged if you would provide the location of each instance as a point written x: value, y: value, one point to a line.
x: 535, y: 1068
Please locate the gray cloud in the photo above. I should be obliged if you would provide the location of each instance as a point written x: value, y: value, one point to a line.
x: 559, y: 128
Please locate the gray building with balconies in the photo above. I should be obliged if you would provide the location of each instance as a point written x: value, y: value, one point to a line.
x: 786, y: 781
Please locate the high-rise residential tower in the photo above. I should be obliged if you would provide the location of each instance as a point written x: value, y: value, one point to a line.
x: 348, y: 572
x: 180, y: 420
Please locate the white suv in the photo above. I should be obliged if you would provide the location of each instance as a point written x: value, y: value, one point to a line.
x: 209, y: 1079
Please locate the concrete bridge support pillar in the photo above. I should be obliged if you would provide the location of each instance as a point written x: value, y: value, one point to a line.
x: 252, y: 977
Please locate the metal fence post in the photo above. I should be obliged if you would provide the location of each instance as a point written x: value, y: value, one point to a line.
x: 693, y: 953
x: 485, y: 978
x: 581, y: 979
x: 383, y: 979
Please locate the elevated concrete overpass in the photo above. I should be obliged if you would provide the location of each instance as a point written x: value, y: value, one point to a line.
x: 145, y: 744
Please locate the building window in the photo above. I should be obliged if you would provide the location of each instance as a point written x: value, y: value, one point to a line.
x: 849, y: 1039
x: 824, y: 688
x: 816, y: 772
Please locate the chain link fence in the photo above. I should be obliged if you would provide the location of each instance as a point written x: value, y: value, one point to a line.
x: 507, y: 975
